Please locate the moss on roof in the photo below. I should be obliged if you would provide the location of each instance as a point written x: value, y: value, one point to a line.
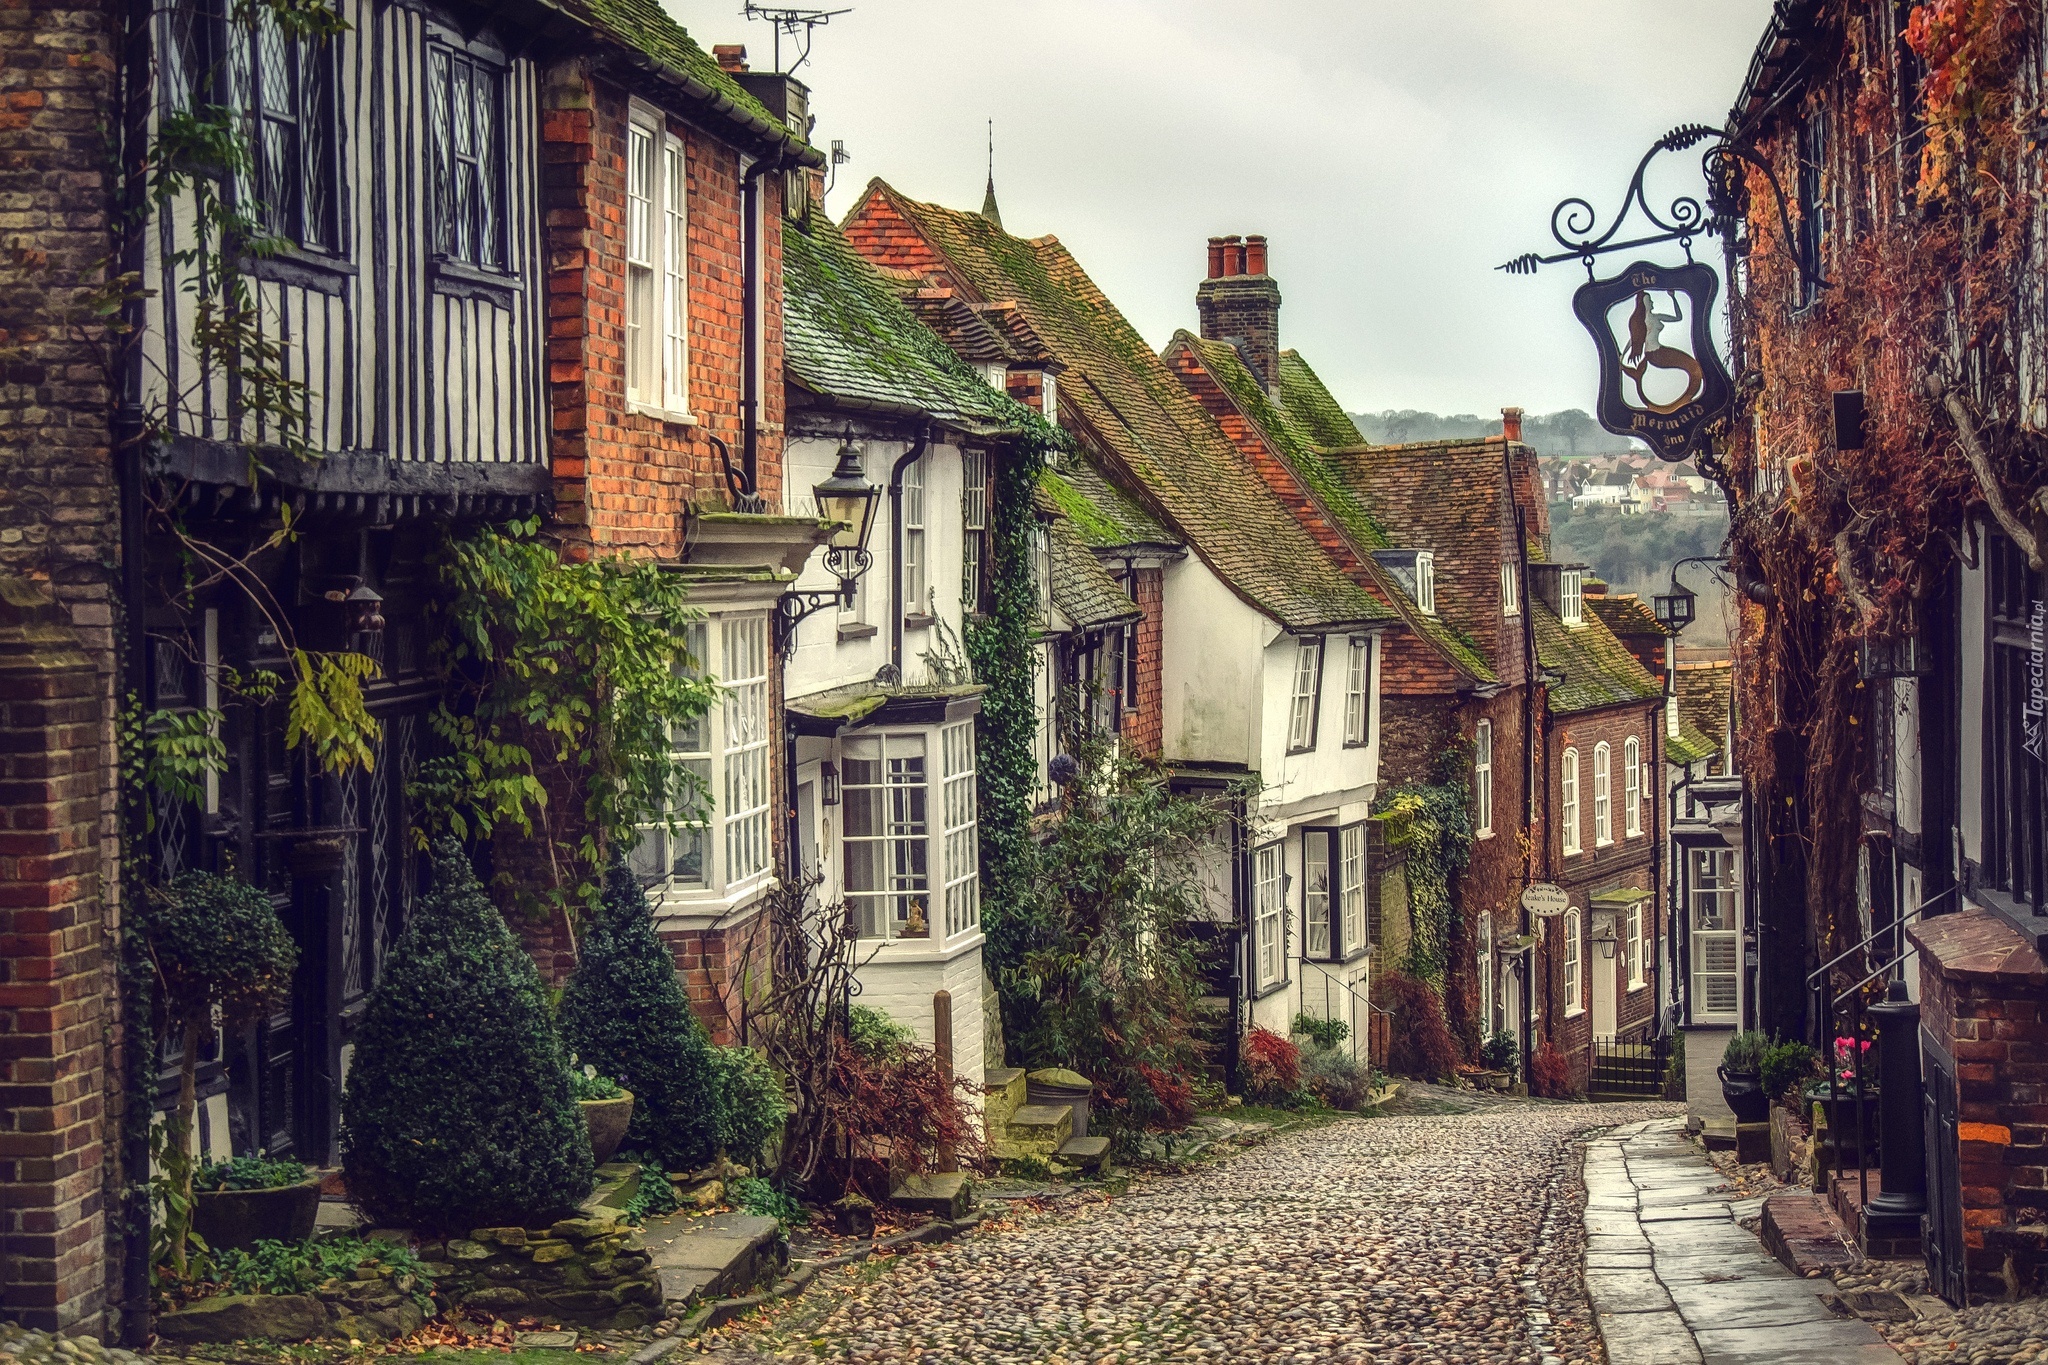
x: 1596, y: 666
x: 646, y: 27
x: 1082, y: 589
x: 1627, y: 614
x: 1177, y: 457
x: 847, y: 335
x: 1313, y: 407
x: 1689, y: 745
x: 1101, y: 514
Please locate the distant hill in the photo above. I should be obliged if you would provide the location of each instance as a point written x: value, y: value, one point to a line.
x: 1568, y: 433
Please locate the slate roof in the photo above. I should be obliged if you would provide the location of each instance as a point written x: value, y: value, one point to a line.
x: 1097, y: 513
x: 1312, y: 406
x: 1627, y: 614
x: 1179, y: 462
x: 1705, y: 692
x: 644, y: 27
x: 847, y: 337
x: 1295, y: 442
x: 1597, y: 667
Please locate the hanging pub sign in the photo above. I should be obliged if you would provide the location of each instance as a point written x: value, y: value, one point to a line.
x: 1661, y: 381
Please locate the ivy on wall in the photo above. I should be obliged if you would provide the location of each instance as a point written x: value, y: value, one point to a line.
x: 1432, y: 824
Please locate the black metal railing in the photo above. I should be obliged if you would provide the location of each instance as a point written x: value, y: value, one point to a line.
x: 1358, y: 1011
x: 1630, y: 1068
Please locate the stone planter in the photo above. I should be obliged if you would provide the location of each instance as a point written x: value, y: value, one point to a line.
x: 1056, y: 1086
x: 606, y: 1120
x: 241, y: 1218
x: 1496, y: 1081
x: 1744, y: 1092
x: 1836, y: 1126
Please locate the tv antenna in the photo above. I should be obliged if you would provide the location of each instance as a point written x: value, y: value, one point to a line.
x: 789, y: 21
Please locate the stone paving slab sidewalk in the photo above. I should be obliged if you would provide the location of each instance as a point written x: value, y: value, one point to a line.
x: 1674, y: 1280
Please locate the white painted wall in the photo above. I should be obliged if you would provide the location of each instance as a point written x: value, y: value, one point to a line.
x: 901, y: 979
x: 1212, y: 672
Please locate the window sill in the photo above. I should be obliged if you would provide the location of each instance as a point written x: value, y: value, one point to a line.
x: 1635, y: 986
x: 1574, y: 1012
x: 661, y: 414
x: 1354, y: 744
x: 307, y: 269
x: 1482, y: 834
x: 472, y: 282
x: 919, y: 621
x: 857, y: 630
x: 1599, y: 844
x: 1270, y: 988
x: 1573, y: 852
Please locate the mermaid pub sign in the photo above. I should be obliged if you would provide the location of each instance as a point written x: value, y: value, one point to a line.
x: 1661, y: 380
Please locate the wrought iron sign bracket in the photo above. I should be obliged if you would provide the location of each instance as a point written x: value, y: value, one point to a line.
x: 793, y: 608
x: 1723, y: 165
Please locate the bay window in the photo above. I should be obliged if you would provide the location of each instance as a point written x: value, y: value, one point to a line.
x: 1269, y: 908
x: 885, y: 810
x: 282, y: 87
x: 466, y: 123
x: 963, y: 848
x: 1315, y: 878
x: 657, y: 255
x: 1352, y: 920
x: 744, y: 644
x: 1333, y: 895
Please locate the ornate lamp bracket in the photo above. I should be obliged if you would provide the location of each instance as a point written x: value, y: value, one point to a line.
x: 795, y: 607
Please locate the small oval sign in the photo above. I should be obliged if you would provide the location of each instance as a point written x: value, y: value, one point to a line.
x: 1545, y: 899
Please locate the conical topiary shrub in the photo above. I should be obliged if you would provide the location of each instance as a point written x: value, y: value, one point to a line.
x: 625, y: 1013
x: 457, y: 1112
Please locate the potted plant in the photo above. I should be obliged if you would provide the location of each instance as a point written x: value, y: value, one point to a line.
x: 1500, y: 1055
x: 1741, y: 1073
x: 223, y: 959
x: 607, y: 1109
x: 1852, y: 1113
x: 248, y: 1199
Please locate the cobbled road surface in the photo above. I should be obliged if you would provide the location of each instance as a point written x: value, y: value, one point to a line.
x: 1397, y: 1239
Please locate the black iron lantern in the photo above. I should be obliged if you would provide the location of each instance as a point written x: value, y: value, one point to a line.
x: 1675, y: 608
x: 848, y: 499
x: 365, y: 607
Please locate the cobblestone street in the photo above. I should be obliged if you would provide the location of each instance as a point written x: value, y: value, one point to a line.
x: 1399, y: 1239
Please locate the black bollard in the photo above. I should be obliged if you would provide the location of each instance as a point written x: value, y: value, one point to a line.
x: 1893, y: 1216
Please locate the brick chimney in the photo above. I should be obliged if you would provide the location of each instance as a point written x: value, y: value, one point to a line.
x: 1240, y: 303
x: 731, y: 56
x: 1511, y: 423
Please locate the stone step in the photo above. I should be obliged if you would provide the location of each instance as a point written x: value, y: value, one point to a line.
x: 1035, y: 1130
x: 945, y: 1194
x: 1004, y: 1087
x: 1089, y: 1153
x: 716, y: 1257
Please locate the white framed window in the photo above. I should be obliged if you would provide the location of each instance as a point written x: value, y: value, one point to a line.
x: 1269, y: 906
x: 727, y: 749
x: 1358, y: 692
x: 886, y: 833
x: 1482, y: 967
x: 1510, y: 592
x: 1425, y: 582
x: 744, y: 647
x: 1308, y: 686
x: 973, y: 526
x: 1568, y: 800
x: 1632, y: 944
x: 998, y: 376
x: 1316, y: 899
x: 1045, y: 741
x: 1715, y: 958
x: 915, y: 595
x: 1351, y: 887
x: 1570, y: 598
x: 1051, y: 391
x: 1482, y: 779
x: 963, y: 848
x: 1574, y: 1001
x: 657, y: 264
x: 1041, y: 568
x: 1603, y: 795
x: 1632, y: 785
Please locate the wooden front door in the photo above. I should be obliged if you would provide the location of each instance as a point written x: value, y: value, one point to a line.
x: 1942, y: 1228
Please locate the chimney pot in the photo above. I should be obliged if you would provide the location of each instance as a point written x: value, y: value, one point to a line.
x: 1233, y: 255
x: 1255, y: 255
x: 1215, y: 257
x: 1511, y: 423
x: 731, y: 56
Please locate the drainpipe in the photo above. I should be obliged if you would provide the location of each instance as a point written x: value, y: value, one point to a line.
x: 1529, y: 723
x: 903, y: 462
x: 1679, y: 936
x: 750, y: 329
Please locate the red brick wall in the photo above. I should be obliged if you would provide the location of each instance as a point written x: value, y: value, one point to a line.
x: 1144, y: 730
x: 888, y: 239
x: 622, y: 478
x: 56, y: 986
x: 716, y: 964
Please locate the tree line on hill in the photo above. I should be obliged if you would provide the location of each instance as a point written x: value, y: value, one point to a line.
x: 1572, y: 432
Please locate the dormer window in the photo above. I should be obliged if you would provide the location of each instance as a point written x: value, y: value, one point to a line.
x: 1425, y: 582
x: 1570, y: 599
x: 998, y: 375
x: 1051, y: 391
x: 1415, y: 571
x: 1510, y: 594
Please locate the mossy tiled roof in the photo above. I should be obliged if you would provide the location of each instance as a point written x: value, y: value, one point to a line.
x: 1313, y: 407
x: 1689, y: 745
x: 1082, y: 589
x: 1627, y: 614
x: 1177, y: 457
x: 1101, y: 516
x: 1705, y: 691
x: 847, y: 336
x: 645, y: 27
x: 1596, y: 666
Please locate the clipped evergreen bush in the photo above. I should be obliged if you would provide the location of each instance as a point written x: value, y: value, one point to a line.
x: 457, y: 1112
x: 625, y: 1013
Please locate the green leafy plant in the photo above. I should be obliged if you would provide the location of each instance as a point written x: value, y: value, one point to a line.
x: 1785, y: 1065
x: 1499, y: 1052
x: 1323, y: 1033
x: 1745, y: 1051
x: 625, y: 1013
x: 754, y: 1195
x: 655, y: 1195
x: 1336, y: 1078
x: 301, y: 1267
x: 563, y: 682
x: 586, y: 1084
x: 248, y: 1173
x: 1433, y: 825
x: 751, y: 1102
x: 222, y: 959
x: 457, y: 1113
x: 872, y: 1033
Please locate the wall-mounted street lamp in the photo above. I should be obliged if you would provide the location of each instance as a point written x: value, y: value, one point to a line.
x: 1675, y: 609
x: 848, y: 500
x: 1606, y: 943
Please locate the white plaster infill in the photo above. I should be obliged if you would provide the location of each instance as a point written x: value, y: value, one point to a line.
x: 1675, y: 1280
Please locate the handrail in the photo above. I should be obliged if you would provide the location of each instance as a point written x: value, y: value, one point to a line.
x: 1346, y: 986
x: 1813, y: 977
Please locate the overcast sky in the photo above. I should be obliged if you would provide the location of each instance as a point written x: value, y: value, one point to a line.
x: 1394, y: 153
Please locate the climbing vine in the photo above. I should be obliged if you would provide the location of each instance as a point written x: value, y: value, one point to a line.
x: 563, y: 682
x: 1432, y: 824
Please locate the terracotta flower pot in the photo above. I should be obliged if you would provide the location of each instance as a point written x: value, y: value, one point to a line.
x: 607, y: 1120
x: 242, y: 1218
